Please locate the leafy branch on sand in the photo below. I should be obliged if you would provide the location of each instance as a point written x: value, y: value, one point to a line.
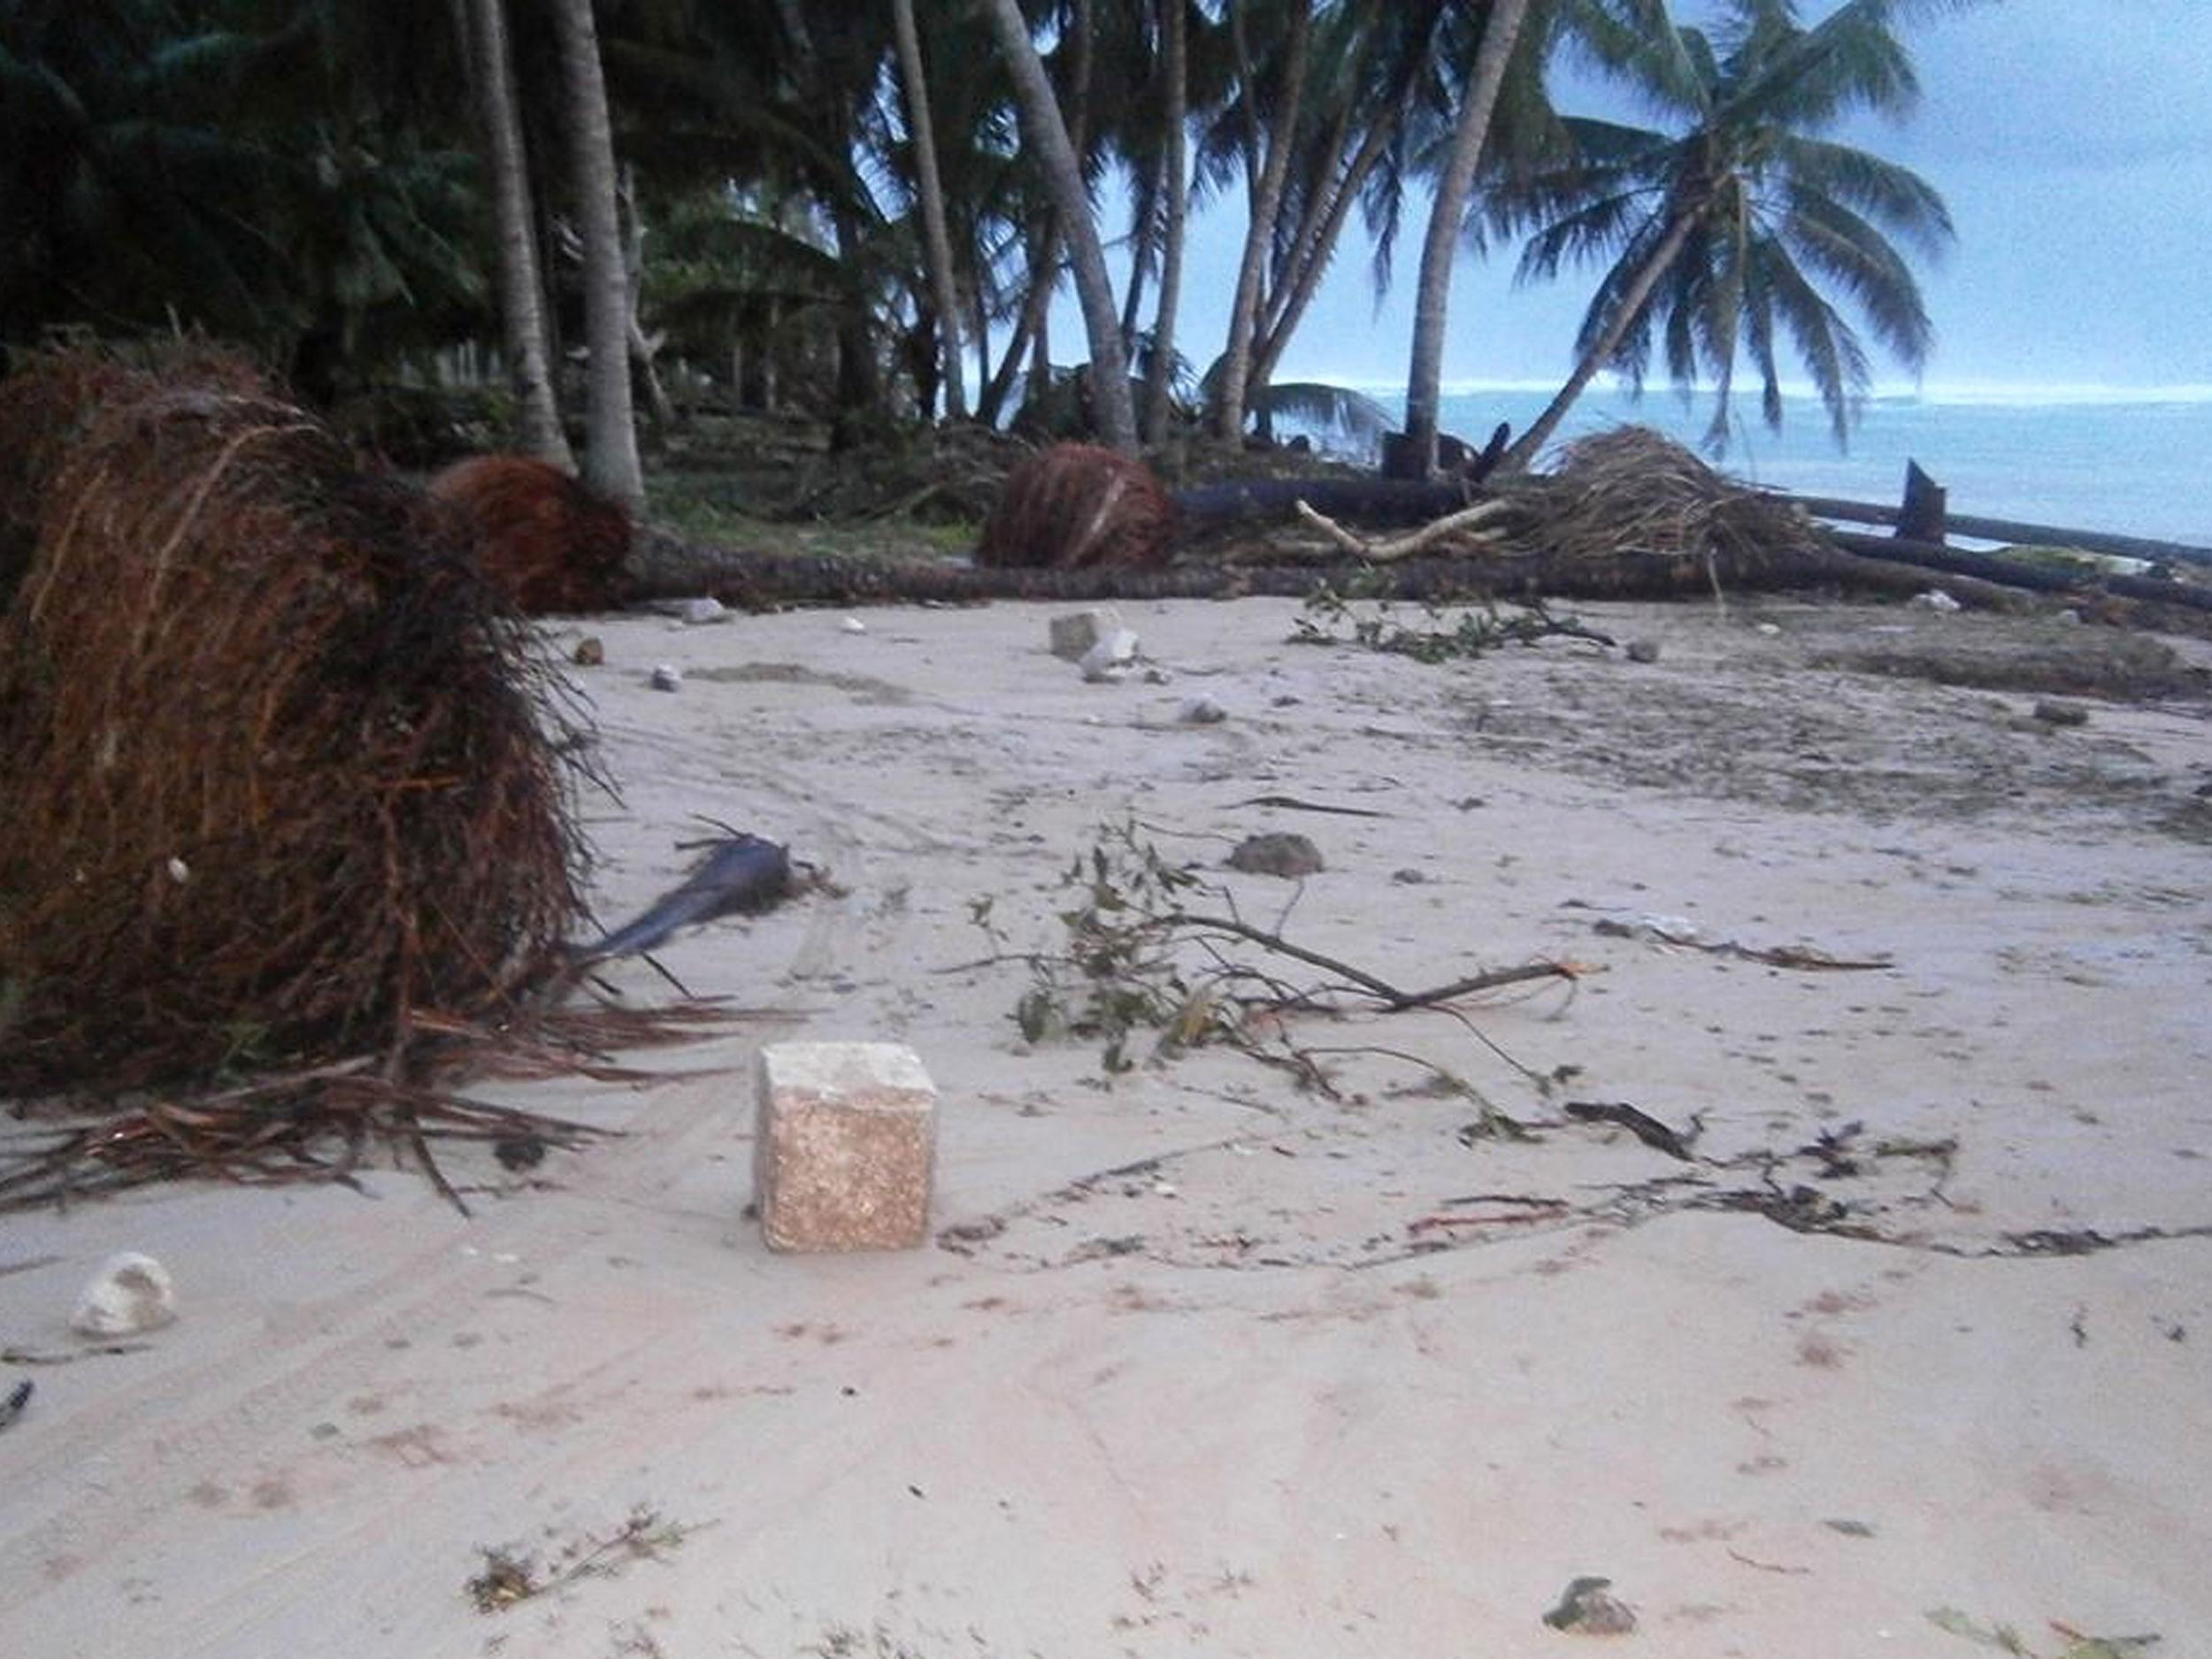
x: 510, y: 1576
x: 1330, y: 619
x: 2007, y: 1639
x: 1141, y: 955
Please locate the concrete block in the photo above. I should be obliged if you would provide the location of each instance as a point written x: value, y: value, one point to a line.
x: 1074, y: 635
x: 846, y: 1146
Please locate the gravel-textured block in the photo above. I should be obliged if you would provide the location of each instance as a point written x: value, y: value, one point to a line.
x: 846, y: 1147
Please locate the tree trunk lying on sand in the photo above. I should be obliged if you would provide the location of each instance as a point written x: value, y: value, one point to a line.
x: 2013, y: 573
x: 1840, y: 563
x: 755, y: 581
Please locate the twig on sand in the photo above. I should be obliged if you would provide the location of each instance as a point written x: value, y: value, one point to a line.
x: 1388, y: 994
x: 508, y: 1578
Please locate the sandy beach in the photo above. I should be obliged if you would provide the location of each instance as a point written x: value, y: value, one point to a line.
x: 1916, y: 1340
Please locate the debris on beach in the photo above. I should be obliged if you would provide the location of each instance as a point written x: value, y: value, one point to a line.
x: 232, y: 648
x: 740, y: 875
x: 549, y: 544
x: 1585, y: 1609
x: 512, y: 1575
x: 1120, y: 972
x: 1283, y: 853
x: 1072, y: 635
x: 229, y: 652
x: 1076, y: 506
x: 130, y: 1294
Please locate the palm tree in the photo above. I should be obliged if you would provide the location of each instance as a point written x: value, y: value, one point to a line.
x: 937, y: 245
x: 1501, y: 34
x: 521, y: 292
x: 610, y: 456
x: 126, y: 198
x: 1373, y: 58
x: 1174, y: 173
x: 1269, y: 143
x: 1723, y: 231
x: 1048, y: 139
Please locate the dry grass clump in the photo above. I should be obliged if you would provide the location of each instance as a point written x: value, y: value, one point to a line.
x: 552, y: 546
x: 1634, y: 490
x: 278, y: 772
x: 1076, y: 506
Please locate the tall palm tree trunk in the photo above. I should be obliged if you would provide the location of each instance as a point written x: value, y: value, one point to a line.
x: 1044, y: 277
x: 1310, y: 256
x: 1259, y: 234
x: 1525, y: 448
x: 1159, y: 374
x: 937, y: 243
x: 1432, y: 298
x: 1049, y: 138
x: 521, y: 293
x: 610, y: 453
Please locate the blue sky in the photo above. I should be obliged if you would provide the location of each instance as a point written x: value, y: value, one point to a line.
x: 2072, y: 142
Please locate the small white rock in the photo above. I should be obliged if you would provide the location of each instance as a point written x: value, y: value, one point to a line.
x: 179, y: 871
x: 1200, y: 711
x: 1769, y: 629
x: 854, y: 624
x: 131, y: 1293
x: 698, y: 610
x: 2070, y: 617
x: 1071, y: 636
x: 1111, y: 657
x: 666, y: 678
x: 1936, y: 599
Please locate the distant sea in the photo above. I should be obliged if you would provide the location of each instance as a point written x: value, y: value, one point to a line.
x: 2132, y: 463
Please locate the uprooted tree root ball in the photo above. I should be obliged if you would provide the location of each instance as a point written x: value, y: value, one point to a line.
x: 549, y: 544
x: 281, y: 775
x: 1076, y: 506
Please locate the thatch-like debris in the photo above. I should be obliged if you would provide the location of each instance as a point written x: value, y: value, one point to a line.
x: 279, y: 768
x: 552, y: 546
x: 1634, y: 490
x: 44, y: 404
x: 1076, y: 506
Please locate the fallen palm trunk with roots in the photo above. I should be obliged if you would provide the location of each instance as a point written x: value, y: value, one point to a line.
x: 1629, y: 514
x: 282, y: 788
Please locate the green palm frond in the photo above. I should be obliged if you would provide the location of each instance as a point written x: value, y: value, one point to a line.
x: 1783, y: 221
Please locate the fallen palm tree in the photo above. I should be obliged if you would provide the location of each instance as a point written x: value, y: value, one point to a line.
x: 282, y: 793
x: 1629, y: 514
x: 1076, y: 506
x: 550, y: 545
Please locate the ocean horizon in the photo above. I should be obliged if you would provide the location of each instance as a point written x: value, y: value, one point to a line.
x: 2126, y: 460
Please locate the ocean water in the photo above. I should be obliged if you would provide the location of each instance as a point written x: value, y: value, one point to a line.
x: 2133, y: 463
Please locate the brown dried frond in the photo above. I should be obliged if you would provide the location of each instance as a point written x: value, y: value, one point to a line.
x: 551, y: 545
x: 1076, y: 506
x: 277, y: 763
x: 1634, y: 490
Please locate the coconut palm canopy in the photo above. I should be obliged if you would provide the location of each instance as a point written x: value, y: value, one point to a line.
x: 1737, y: 228
x: 339, y: 193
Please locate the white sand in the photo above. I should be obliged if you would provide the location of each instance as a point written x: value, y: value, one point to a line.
x: 1284, y: 1419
